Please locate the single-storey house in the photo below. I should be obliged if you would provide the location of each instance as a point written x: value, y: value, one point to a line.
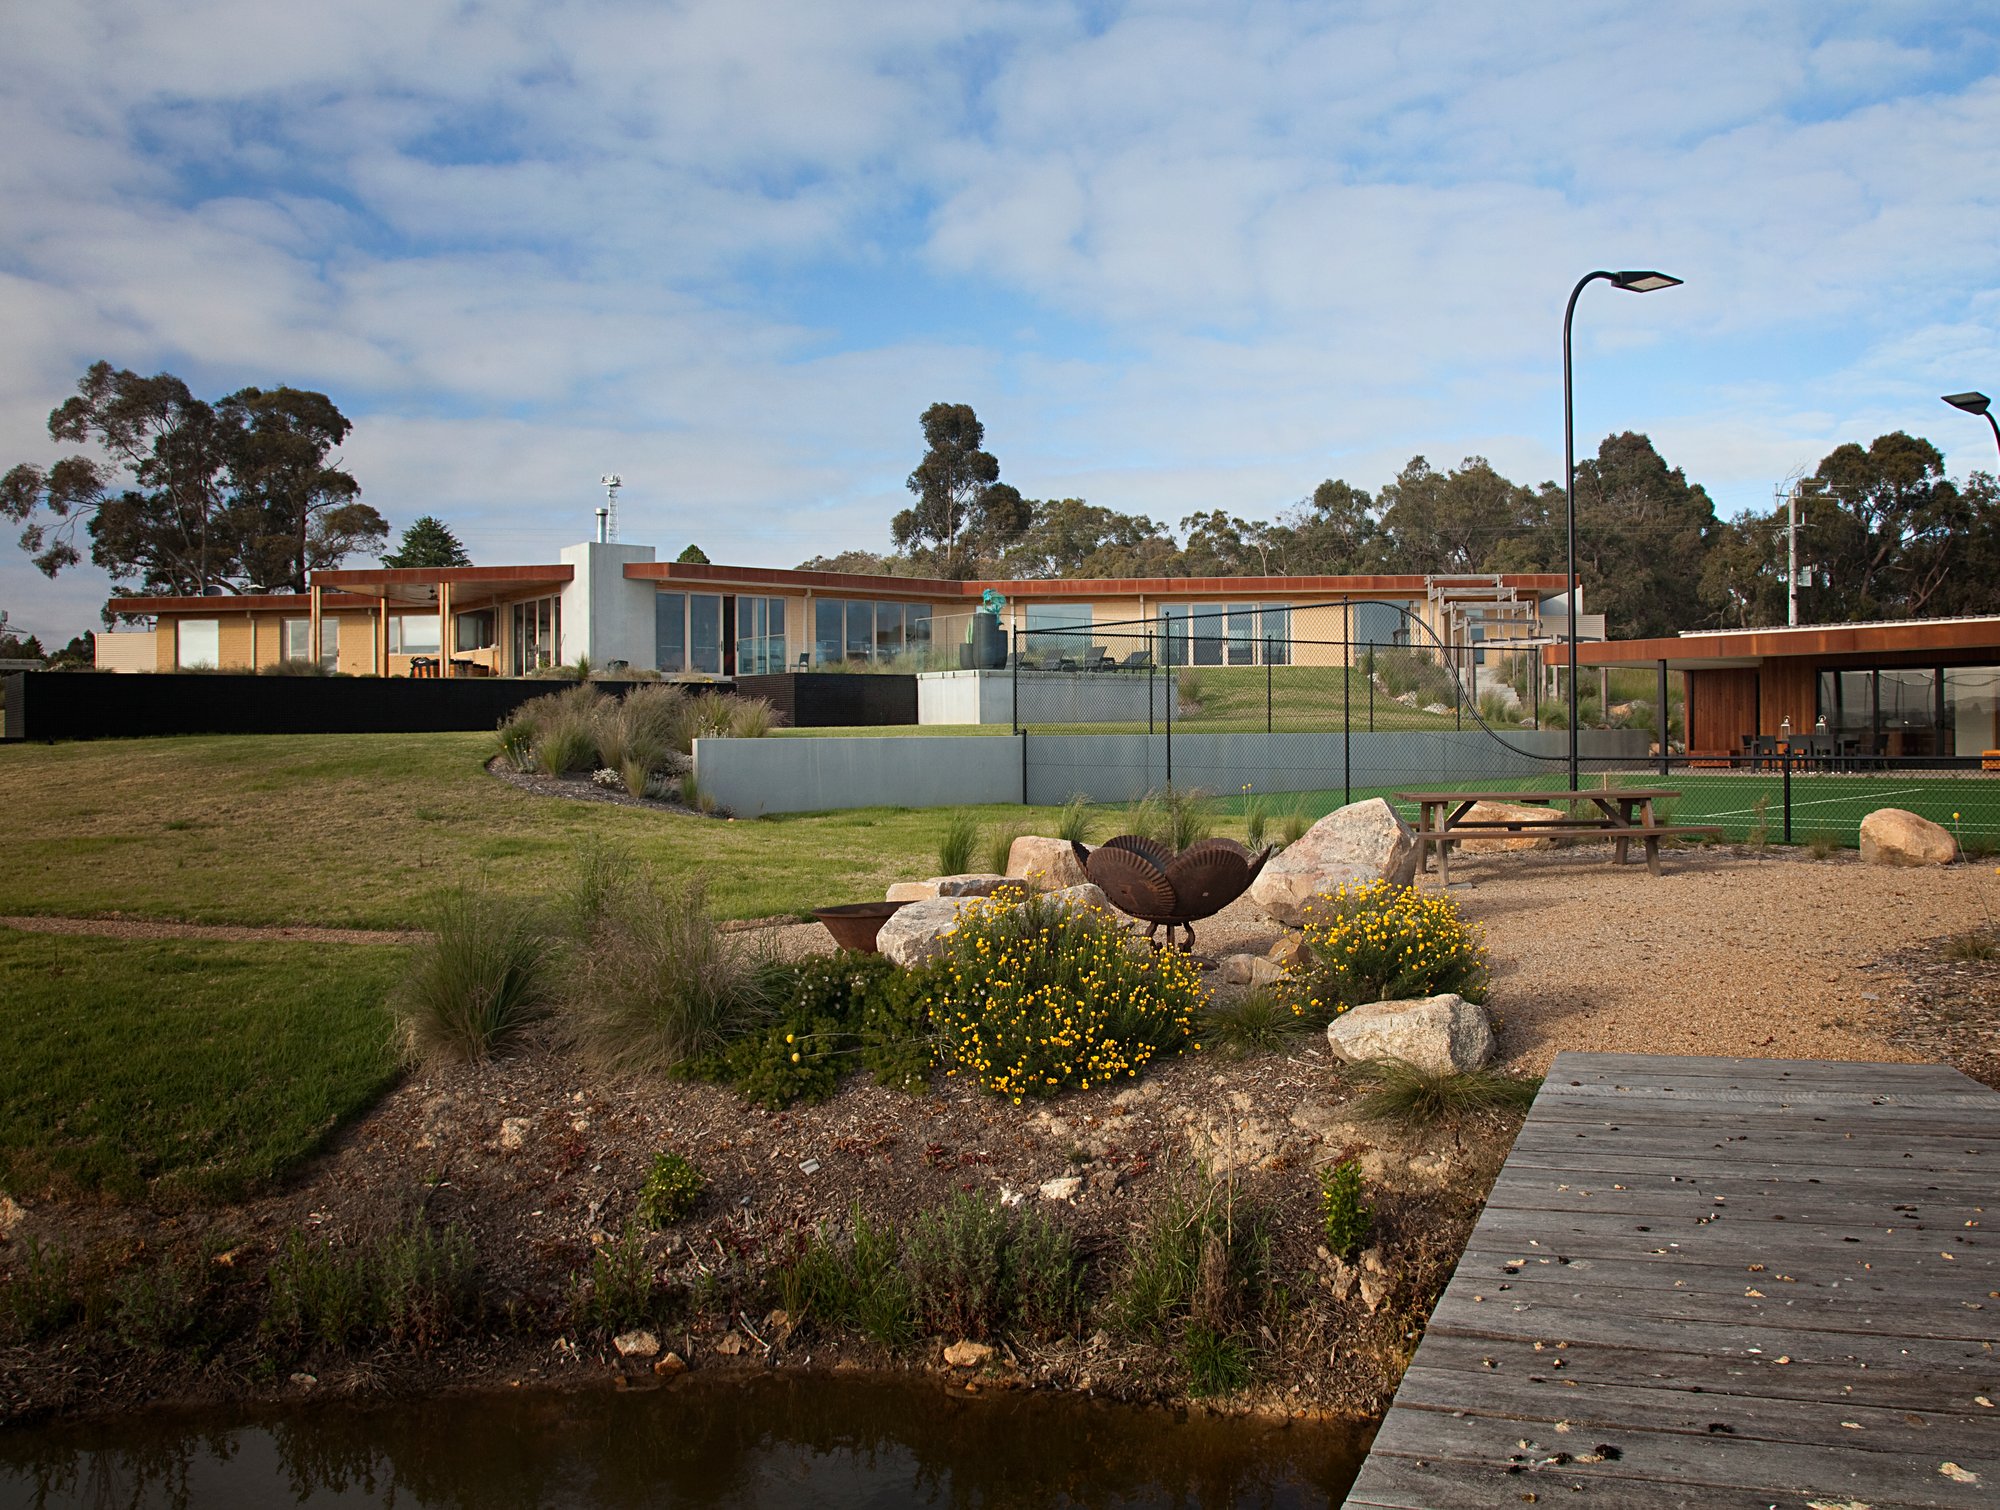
x: 614, y: 602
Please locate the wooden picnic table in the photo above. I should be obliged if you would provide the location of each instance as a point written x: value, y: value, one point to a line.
x: 1623, y: 814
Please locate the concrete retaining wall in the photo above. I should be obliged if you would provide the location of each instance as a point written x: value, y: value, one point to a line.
x: 1047, y: 697
x: 753, y: 776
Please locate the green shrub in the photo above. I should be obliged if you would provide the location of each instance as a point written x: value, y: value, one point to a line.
x: 317, y: 1295
x: 1217, y: 1360
x: 673, y: 1186
x: 1414, y: 1098
x: 295, y: 666
x: 1259, y: 1022
x: 565, y: 729
x: 898, y: 1046
x: 1824, y: 846
x: 1074, y: 823
x: 161, y: 1309
x: 477, y: 982
x: 961, y: 833
x: 1759, y: 832
x: 43, y: 1295
x: 619, y: 1294
x: 1343, y: 1215
x: 957, y: 1264
x: 1031, y: 999
x: 639, y: 728
x: 1202, y: 1255
x: 751, y: 718
x: 1380, y: 941
x: 858, y: 1283
x: 1046, y: 1268
x: 424, y: 1286
x: 658, y: 986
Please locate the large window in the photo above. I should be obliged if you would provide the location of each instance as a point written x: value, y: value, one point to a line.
x: 827, y: 631
x: 851, y: 629
x: 197, y: 642
x: 860, y: 631
x: 411, y: 633
x: 1058, y: 630
x: 537, y: 633
x: 474, y: 631
x: 1207, y: 637
x: 917, y: 627
x: 1910, y: 711
x: 760, y: 635
x: 1173, y: 635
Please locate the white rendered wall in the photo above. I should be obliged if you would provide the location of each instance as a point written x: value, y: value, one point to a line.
x: 606, y: 615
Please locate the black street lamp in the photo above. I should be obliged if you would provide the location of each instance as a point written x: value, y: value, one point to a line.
x: 1975, y: 403
x: 1636, y: 283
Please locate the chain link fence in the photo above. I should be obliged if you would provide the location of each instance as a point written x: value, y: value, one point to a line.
x: 1305, y: 725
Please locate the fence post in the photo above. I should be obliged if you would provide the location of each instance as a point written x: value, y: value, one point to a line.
x: 1267, y: 684
x: 1014, y: 677
x: 1660, y: 716
x: 1346, y: 723
x: 1173, y: 695
x: 1371, y: 686
x: 1152, y: 680
x: 1785, y: 770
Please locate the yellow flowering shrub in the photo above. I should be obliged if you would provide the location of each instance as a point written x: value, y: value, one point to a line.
x: 1382, y: 942
x: 1034, y: 998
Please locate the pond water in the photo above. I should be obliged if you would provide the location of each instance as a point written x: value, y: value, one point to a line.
x: 809, y: 1440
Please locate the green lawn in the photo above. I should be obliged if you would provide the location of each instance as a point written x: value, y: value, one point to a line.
x: 363, y: 830
x: 182, y: 1070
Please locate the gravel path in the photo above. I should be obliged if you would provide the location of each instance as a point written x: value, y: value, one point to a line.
x: 1730, y: 952
x: 136, y: 928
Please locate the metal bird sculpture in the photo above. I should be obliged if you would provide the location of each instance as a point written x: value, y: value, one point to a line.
x: 1146, y: 880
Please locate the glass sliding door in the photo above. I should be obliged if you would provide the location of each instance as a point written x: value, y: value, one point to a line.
x: 705, y: 633
x: 1972, y: 709
x: 1208, y: 622
x: 1277, y: 631
x: 917, y: 633
x: 860, y: 631
x: 1908, y: 700
x: 888, y: 631
x: 760, y: 636
x: 1241, y: 639
x: 1173, y: 636
x: 670, y: 632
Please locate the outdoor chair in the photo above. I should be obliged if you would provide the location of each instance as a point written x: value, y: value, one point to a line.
x: 1098, y: 659
x: 1138, y: 660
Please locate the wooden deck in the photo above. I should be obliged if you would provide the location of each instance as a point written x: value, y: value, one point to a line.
x: 1719, y: 1282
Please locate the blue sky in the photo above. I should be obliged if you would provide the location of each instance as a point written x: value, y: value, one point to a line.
x: 1178, y: 257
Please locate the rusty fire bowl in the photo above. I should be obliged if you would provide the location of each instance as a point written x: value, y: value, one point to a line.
x: 856, y: 925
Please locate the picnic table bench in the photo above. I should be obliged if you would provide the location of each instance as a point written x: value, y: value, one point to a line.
x: 1622, y: 815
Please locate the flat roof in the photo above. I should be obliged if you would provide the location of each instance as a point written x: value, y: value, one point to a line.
x: 1712, y: 649
x: 366, y: 587
x: 1409, y: 584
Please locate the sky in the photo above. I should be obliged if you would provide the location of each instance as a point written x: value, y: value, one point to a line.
x: 1177, y: 256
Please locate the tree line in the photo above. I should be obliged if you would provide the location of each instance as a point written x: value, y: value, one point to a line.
x: 1884, y: 533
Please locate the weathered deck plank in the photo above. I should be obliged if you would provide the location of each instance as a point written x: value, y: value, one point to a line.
x: 1759, y: 1282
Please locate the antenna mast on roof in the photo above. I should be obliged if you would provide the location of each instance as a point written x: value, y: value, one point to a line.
x: 611, y: 482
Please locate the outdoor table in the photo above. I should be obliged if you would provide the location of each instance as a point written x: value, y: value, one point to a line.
x: 1622, y: 816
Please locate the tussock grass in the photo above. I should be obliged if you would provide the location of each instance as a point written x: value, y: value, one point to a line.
x: 1411, y: 1097
x: 481, y: 979
x: 955, y: 844
x: 1259, y: 1022
x: 657, y: 986
x: 1076, y: 821
x: 1975, y: 946
x: 1176, y: 816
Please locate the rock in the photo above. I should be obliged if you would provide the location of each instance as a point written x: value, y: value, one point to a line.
x: 1364, y: 841
x: 636, y: 1344
x: 1063, y: 1189
x: 514, y: 1132
x: 1438, y: 708
x: 1290, y: 952
x: 1050, y: 863
x: 1439, y: 1034
x: 731, y: 1344
x: 1891, y: 836
x: 1085, y: 895
x: 11, y: 1215
x: 1374, y: 1291
x: 913, y: 936
x: 978, y: 883
x: 1248, y: 970
x: 1502, y: 812
x: 967, y: 1354
x: 669, y: 1364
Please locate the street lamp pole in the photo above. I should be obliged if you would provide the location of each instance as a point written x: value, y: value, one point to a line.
x: 1636, y: 282
x: 1976, y: 403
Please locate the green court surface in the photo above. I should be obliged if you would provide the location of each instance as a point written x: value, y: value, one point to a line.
x: 1824, y: 806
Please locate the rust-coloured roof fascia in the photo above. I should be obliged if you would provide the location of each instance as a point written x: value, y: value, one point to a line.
x: 1402, y: 585
x: 257, y: 602
x: 776, y: 576
x: 425, y: 576
x: 1788, y: 644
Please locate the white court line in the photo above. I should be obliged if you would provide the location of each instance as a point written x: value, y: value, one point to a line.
x: 1747, y: 812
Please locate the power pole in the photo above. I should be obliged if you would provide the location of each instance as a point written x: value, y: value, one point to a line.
x: 1792, y: 557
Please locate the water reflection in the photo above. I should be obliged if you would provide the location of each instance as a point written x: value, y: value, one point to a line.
x: 801, y: 1441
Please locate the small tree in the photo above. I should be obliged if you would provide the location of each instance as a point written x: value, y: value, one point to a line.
x: 428, y: 543
x: 694, y: 555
